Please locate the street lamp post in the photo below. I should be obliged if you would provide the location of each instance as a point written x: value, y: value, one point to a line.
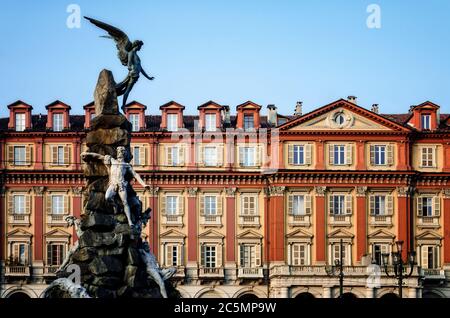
x: 339, y: 264
x: 399, y: 265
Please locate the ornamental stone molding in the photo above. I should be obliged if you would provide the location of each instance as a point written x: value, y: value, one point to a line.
x: 403, y: 191
x: 361, y: 191
x: 230, y: 192
x: 39, y: 191
x: 192, y: 192
x: 446, y: 193
x: 153, y: 191
x: 320, y: 191
x: 77, y: 191
x: 277, y: 191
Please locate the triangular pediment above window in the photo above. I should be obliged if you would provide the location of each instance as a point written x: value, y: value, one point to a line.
x: 211, y: 234
x: 57, y: 233
x: 428, y: 235
x: 249, y: 234
x: 172, y: 105
x: 19, y: 233
x: 342, y: 116
x: 248, y: 105
x: 172, y: 234
x: 381, y: 234
x: 340, y: 233
x: 210, y: 105
x: 300, y: 233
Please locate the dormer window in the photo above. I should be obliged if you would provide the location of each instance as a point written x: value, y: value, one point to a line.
x: 134, y: 120
x: 172, y: 122
x: 20, y: 121
x: 248, y: 122
x: 58, y: 122
x: 426, y: 122
x: 210, y: 122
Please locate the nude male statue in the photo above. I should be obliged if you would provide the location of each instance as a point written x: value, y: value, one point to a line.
x: 71, y: 221
x: 118, y: 170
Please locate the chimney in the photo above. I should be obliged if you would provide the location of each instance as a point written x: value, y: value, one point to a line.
x: 352, y: 99
x: 226, y: 115
x: 298, y: 109
x: 272, y: 117
x: 375, y: 108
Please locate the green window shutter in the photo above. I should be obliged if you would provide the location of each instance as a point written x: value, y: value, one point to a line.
x: 49, y: 254
x: 291, y: 154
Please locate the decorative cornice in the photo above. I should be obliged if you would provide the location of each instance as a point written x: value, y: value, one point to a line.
x: 39, y: 191
x: 361, y: 191
x: 403, y: 191
x: 77, y: 191
x: 275, y: 191
x: 230, y: 192
x: 320, y: 191
x: 192, y: 192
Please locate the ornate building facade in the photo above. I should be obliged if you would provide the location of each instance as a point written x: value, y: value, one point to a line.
x: 244, y: 205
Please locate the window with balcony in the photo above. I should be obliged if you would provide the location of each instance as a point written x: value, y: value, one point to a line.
x: 20, y: 156
x: 209, y: 256
x: 172, y: 122
x: 337, y: 205
x: 428, y: 157
x: 429, y: 257
x: 173, y: 255
x: 58, y: 122
x: 381, y: 208
x: 172, y: 206
x: 134, y: 120
x: 426, y: 122
x: 250, y: 255
x: 377, y: 253
x: 55, y: 254
x: 210, y: 205
x: 336, y: 251
x: 340, y: 209
x: 19, y: 204
x: 299, y: 254
x: 248, y: 122
x: 299, y: 209
x: 210, y: 122
x: 58, y: 204
x: 19, y: 254
x: 20, y: 121
x: 428, y: 211
x: 425, y: 206
x: 210, y: 210
x: 249, y: 211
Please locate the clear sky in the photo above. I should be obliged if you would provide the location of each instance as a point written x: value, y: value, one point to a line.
x: 231, y: 51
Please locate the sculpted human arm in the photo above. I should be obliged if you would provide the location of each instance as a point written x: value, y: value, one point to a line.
x: 93, y: 155
x: 151, y: 78
x: 138, y: 178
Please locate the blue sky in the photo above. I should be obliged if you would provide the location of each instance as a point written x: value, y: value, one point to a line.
x: 232, y: 51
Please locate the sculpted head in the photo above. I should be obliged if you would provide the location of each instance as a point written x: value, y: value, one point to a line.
x: 70, y: 220
x: 121, y: 152
x: 138, y: 44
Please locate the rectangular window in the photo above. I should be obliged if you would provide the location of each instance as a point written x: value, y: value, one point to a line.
x: 377, y: 253
x: 209, y: 255
x: 210, y: 154
x: 299, y: 254
x: 60, y: 156
x: 210, y: 205
x: 19, y: 155
x: 380, y: 155
x: 20, y: 122
x: 248, y: 255
x: 171, y: 205
x: 427, y: 206
x: 379, y: 205
x: 298, y: 205
x: 426, y: 122
x: 249, y: 156
x: 427, y: 157
x: 339, y: 154
x: 172, y: 122
x: 58, y: 124
x: 20, y: 254
x: 58, y: 204
x: 210, y: 122
x: 19, y: 204
x: 136, y: 155
x: 249, y: 205
x: 337, y: 204
x: 337, y: 251
x: 299, y: 155
x: 55, y: 255
x: 248, y: 122
x: 134, y: 120
x: 173, y: 256
x: 430, y: 257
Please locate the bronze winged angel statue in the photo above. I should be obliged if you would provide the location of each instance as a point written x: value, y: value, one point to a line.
x: 127, y: 53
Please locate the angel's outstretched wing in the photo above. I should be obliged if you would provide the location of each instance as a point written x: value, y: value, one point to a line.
x: 122, y: 42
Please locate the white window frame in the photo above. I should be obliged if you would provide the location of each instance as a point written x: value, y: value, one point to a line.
x: 296, y: 255
x: 340, y: 205
x: 428, y: 156
x: 380, y: 155
x: 247, y: 211
x: 210, y: 159
x: 425, y: 121
x: 22, y: 153
x: 137, y: 155
x: 210, y: 205
x: 340, y: 150
x: 50, y: 253
x: 210, y: 122
x: 249, y: 154
x: 58, y: 202
x: 58, y: 122
x: 19, y: 201
x: 135, y: 122
x: 249, y: 124
x: 298, y: 153
x: 424, y: 256
x: 20, y: 121
x: 210, y: 255
x: 172, y: 122
x: 172, y: 204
